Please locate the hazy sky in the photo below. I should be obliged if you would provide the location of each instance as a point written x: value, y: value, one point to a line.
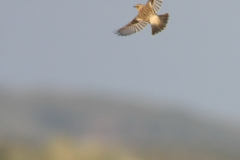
x: 71, y: 44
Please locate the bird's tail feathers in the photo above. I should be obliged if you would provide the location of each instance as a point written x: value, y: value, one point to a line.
x: 158, y: 23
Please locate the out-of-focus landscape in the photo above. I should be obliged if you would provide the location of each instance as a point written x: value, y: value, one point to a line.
x: 71, y: 89
x: 56, y: 125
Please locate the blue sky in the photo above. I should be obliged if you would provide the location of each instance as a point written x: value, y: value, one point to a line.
x: 71, y: 44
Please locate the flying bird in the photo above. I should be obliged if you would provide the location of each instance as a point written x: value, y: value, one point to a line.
x: 146, y: 14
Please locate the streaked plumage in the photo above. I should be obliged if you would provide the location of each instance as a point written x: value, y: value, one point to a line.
x: 146, y: 14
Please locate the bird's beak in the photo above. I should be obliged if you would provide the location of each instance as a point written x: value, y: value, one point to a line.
x: 134, y: 6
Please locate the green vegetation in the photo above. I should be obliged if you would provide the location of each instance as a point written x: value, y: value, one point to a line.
x: 63, y: 148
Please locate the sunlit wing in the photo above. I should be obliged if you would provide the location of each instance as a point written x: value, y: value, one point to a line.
x: 133, y: 27
x: 156, y: 4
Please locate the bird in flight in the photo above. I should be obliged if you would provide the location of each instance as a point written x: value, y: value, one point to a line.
x: 146, y: 14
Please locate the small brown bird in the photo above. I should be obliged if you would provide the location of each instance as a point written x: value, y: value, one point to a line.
x: 146, y: 14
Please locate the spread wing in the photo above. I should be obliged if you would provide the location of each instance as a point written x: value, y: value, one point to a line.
x: 133, y: 27
x: 155, y: 4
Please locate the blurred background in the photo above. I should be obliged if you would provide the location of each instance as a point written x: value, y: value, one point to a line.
x: 72, y: 89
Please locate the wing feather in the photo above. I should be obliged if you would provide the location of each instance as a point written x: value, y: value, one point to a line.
x: 133, y: 27
x: 156, y: 4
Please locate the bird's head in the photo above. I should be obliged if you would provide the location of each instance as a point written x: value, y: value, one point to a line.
x: 139, y: 6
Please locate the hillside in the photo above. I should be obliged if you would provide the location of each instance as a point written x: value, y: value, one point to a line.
x: 143, y: 127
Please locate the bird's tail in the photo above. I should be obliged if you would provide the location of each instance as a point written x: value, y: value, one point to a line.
x: 159, y: 23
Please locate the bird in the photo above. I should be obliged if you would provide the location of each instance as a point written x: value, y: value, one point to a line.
x: 146, y: 14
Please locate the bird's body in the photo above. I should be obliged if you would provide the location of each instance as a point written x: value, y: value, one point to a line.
x: 146, y: 14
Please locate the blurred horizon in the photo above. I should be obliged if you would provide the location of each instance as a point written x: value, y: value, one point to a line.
x: 48, y: 124
x: 212, y: 115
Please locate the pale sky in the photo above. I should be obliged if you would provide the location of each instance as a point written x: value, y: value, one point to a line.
x: 71, y: 44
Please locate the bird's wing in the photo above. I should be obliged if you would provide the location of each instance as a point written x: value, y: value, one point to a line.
x: 133, y: 27
x: 155, y: 4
